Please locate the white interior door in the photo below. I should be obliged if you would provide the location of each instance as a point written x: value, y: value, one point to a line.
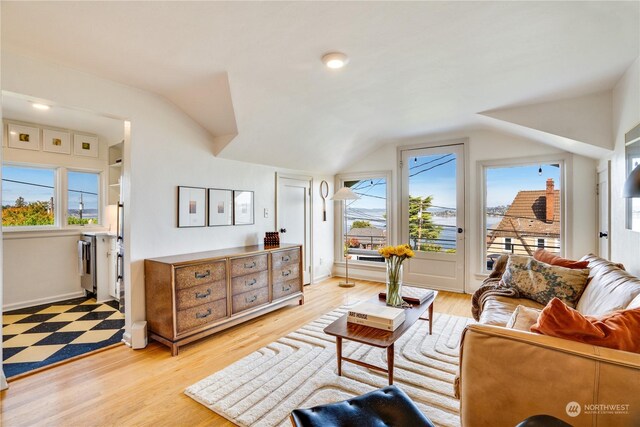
x: 294, y: 217
x: 432, y: 216
x: 604, y: 203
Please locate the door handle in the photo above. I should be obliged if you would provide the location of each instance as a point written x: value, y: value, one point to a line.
x: 604, y: 234
x: 283, y: 230
x: 460, y: 230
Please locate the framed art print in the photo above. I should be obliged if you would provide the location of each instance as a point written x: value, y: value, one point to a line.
x: 55, y: 141
x: 85, y: 145
x: 191, y: 206
x: 220, y: 207
x: 242, y: 207
x: 24, y: 137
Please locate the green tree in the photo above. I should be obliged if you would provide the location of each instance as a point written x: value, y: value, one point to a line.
x: 20, y: 202
x: 34, y: 213
x: 421, y: 226
x: 361, y: 224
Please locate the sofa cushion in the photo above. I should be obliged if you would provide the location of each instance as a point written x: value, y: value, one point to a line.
x: 542, y: 282
x: 549, y: 258
x: 610, y: 288
x: 523, y: 318
x: 619, y: 329
x: 635, y: 303
x: 497, y: 310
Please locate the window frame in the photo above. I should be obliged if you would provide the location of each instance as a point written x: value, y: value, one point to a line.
x: 60, y: 199
x: 339, y: 219
x: 565, y: 160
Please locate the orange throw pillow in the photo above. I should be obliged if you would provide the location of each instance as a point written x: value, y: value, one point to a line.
x: 549, y: 258
x: 618, y: 329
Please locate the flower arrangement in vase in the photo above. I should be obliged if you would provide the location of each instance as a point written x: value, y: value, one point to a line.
x: 394, y: 257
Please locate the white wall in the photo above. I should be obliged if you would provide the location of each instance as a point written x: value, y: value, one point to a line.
x: 625, y: 244
x: 41, y: 267
x: 165, y: 149
x: 486, y: 145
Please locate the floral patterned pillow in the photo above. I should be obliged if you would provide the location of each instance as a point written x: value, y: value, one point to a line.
x: 542, y: 282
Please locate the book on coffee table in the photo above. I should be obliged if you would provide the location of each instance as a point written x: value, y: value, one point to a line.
x: 376, y: 316
x: 412, y: 295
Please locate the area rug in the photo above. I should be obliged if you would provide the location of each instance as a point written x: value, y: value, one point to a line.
x: 300, y: 371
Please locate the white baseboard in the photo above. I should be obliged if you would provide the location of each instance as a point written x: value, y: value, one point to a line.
x: 321, y: 277
x: 40, y: 301
x: 3, y: 381
x: 126, y: 339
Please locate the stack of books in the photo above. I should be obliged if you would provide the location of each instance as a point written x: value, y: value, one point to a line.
x: 412, y: 295
x: 376, y: 316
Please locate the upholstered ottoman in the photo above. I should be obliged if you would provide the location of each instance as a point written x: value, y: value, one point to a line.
x: 387, y: 406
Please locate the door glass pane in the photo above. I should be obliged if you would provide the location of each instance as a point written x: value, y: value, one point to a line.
x: 432, y: 203
x: 82, y: 198
x: 366, y: 219
x: 27, y: 196
x: 522, y: 210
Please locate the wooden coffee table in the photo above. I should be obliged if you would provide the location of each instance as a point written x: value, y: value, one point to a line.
x: 341, y: 329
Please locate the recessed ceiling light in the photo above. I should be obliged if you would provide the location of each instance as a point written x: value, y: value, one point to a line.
x: 335, y: 60
x: 40, y: 106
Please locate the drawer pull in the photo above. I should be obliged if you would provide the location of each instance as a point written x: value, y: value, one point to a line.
x: 253, y: 264
x: 203, y: 295
x: 251, y: 283
x: 203, y: 315
x: 287, y: 289
x: 286, y: 273
x: 202, y: 275
x: 250, y: 300
x: 286, y: 258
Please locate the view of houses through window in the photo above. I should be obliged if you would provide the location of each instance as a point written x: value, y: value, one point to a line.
x: 29, y: 197
x: 366, y: 219
x: 522, y: 210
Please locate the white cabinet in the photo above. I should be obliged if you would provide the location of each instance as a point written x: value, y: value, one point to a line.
x: 106, y: 267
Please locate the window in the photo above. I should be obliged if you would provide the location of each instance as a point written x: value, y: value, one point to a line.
x: 365, y: 220
x: 82, y: 198
x: 28, y: 196
x: 522, y: 209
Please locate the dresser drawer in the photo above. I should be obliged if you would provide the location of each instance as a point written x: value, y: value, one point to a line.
x: 249, y: 282
x: 250, y: 299
x: 286, y: 288
x: 286, y: 273
x: 200, y: 315
x: 248, y: 265
x: 282, y: 258
x: 196, y: 295
x: 194, y: 275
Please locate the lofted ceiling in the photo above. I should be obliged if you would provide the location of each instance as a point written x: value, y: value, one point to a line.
x: 250, y: 72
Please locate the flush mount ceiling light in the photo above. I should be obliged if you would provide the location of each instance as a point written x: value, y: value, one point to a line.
x: 335, y: 60
x: 38, y: 106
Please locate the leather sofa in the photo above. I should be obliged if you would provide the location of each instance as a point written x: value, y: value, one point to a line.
x: 507, y: 375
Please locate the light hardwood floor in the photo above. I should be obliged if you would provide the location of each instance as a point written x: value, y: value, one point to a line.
x: 123, y: 387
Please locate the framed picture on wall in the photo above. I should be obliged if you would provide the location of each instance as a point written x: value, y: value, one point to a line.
x: 242, y: 207
x: 85, y: 145
x: 220, y: 207
x: 24, y: 137
x: 55, y: 141
x: 192, y: 206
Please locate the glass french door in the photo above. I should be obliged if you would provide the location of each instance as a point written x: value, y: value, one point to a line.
x: 432, y: 216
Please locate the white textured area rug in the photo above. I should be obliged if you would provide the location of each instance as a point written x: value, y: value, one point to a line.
x: 300, y: 371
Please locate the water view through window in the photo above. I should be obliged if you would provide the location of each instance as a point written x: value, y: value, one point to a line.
x: 366, y: 219
x: 82, y: 197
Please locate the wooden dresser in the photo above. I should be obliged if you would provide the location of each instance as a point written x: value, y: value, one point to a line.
x: 194, y: 295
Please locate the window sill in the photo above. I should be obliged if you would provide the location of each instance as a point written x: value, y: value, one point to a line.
x: 361, y: 265
x: 43, y: 233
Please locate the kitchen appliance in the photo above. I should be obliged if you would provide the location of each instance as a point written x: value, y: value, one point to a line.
x: 120, y: 255
x: 87, y: 263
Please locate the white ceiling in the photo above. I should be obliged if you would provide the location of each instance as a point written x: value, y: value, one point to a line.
x: 20, y: 108
x: 416, y: 67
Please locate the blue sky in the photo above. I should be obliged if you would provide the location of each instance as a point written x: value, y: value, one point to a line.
x: 435, y: 175
x: 77, y: 181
